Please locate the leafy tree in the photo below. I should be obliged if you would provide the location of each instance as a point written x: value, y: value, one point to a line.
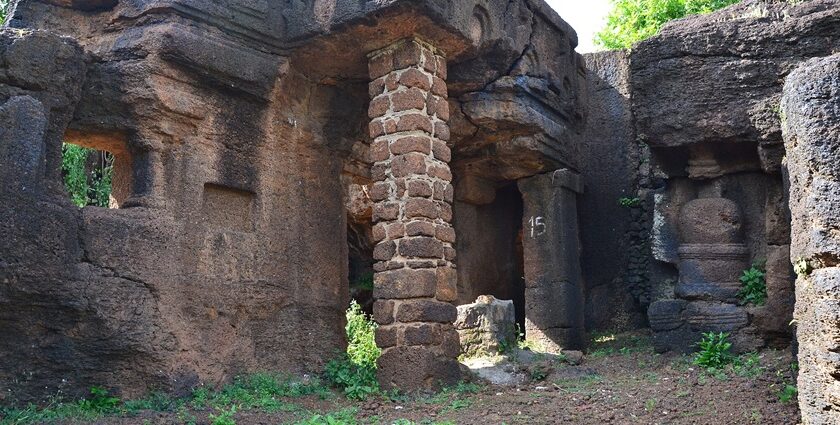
x: 4, y: 9
x: 87, y: 185
x: 631, y: 21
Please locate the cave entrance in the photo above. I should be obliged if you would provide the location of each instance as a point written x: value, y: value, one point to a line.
x: 490, y: 250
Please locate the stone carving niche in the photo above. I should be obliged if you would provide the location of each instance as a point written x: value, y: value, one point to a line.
x: 712, y: 256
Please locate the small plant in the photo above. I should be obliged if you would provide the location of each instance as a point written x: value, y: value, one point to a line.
x: 457, y: 404
x: 630, y: 202
x: 714, y: 351
x: 100, y: 401
x: 787, y: 394
x: 224, y: 417
x: 539, y: 372
x: 650, y: 404
x: 355, y: 371
x: 748, y: 366
x: 754, y: 287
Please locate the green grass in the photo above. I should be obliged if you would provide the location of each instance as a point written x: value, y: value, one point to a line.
x: 342, y: 417
x: 263, y: 391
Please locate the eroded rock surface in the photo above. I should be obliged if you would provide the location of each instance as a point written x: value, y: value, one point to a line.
x: 811, y: 119
x: 244, y: 174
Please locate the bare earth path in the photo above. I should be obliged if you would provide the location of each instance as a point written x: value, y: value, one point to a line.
x: 619, y: 382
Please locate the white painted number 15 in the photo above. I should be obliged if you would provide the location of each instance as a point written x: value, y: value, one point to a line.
x: 537, y: 226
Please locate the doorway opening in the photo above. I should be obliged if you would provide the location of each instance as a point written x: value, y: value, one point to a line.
x: 490, y: 252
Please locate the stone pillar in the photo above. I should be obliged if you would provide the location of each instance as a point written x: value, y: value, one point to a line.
x: 415, y: 279
x: 811, y: 126
x: 553, y: 281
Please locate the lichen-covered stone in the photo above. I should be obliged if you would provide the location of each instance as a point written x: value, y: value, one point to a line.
x: 486, y: 326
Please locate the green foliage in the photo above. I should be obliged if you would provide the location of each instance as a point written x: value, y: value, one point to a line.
x: 99, y: 403
x: 748, y: 366
x: 788, y: 394
x: 630, y: 202
x: 631, y: 21
x: 342, y: 417
x: 754, y: 287
x: 715, y: 351
x: 85, y: 188
x: 539, y: 372
x: 4, y: 9
x: 355, y: 371
x: 224, y: 417
x: 258, y: 391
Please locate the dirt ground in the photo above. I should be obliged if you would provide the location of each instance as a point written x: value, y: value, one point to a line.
x: 620, y: 381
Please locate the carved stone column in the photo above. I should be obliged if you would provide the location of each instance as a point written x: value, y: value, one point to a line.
x: 553, y: 278
x: 415, y: 279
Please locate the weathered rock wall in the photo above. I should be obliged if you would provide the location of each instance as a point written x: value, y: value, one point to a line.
x: 242, y: 146
x: 614, y: 237
x: 811, y: 125
x: 705, y: 96
x: 220, y: 255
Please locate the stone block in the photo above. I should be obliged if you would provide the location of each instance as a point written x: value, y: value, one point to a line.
x: 404, y: 283
x: 421, y: 247
x: 426, y: 311
x: 407, y: 144
x: 406, y: 100
x: 420, y: 228
x: 416, y: 78
x: 423, y: 334
x: 408, y: 164
x: 421, y: 207
x: 383, y: 312
x: 486, y: 326
x: 447, y: 279
x: 416, y: 369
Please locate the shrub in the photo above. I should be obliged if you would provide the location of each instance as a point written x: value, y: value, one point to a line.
x: 631, y: 21
x: 715, y: 351
x: 754, y: 290
x: 355, y: 370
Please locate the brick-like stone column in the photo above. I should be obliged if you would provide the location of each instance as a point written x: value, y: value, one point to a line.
x: 415, y: 280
